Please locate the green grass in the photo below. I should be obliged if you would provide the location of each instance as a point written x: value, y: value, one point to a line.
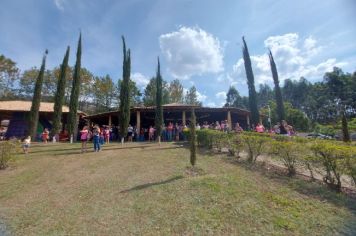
x: 144, y: 189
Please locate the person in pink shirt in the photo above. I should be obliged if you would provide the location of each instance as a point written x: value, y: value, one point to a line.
x: 151, y: 133
x: 260, y: 128
x: 107, y: 134
x: 84, y: 133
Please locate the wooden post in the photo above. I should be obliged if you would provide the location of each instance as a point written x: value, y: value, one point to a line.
x: 138, y: 121
x: 229, y: 120
x: 183, y: 118
x: 110, y: 120
x: 248, y: 120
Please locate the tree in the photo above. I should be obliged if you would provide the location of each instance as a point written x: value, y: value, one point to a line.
x: 159, y: 109
x: 36, y: 100
x: 8, y: 75
x: 176, y: 92
x: 149, y: 96
x: 233, y: 98
x: 193, y: 140
x: 264, y: 94
x: 135, y: 93
x: 124, y: 116
x: 104, y: 93
x: 277, y: 89
x: 255, y: 116
x: 74, y: 95
x: 191, y: 97
x: 59, y: 96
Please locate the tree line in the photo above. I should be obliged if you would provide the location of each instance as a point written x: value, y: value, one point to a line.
x: 97, y: 93
x: 299, y: 101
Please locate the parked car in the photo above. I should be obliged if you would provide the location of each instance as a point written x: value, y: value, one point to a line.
x: 318, y: 136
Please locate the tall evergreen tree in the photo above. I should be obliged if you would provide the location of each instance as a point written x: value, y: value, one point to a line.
x: 255, y: 116
x: 277, y: 89
x: 74, y: 96
x: 124, y: 115
x: 159, y: 109
x: 36, y: 100
x: 193, y: 139
x: 59, y: 96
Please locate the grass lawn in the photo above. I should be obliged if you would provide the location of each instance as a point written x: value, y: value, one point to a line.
x: 144, y: 189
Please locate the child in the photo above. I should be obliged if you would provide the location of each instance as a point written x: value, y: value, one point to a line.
x: 26, y: 144
x: 45, y: 135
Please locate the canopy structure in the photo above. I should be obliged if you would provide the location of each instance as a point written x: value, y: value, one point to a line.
x: 143, y: 117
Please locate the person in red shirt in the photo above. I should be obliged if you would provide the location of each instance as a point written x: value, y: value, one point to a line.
x: 260, y: 128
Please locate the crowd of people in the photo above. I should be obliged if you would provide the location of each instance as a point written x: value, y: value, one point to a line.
x: 100, y: 135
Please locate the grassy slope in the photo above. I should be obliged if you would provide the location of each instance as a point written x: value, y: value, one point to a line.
x: 143, y: 189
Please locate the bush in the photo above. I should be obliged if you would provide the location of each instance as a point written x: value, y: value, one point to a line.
x: 333, y: 158
x: 288, y: 152
x: 7, y: 151
x: 235, y: 144
x: 254, y: 144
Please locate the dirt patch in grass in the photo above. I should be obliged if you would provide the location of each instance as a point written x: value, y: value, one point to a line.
x: 144, y: 189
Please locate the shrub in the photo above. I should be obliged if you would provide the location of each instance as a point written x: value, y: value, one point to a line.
x: 254, y: 145
x: 288, y: 152
x: 7, y: 151
x: 235, y: 144
x: 332, y: 157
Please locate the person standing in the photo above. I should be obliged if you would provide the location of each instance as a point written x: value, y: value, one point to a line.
x: 96, y: 139
x: 45, y: 135
x: 26, y: 144
x: 84, y: 133
x: 107, y: 134
x: 129, y: 133
x: 260, y: 128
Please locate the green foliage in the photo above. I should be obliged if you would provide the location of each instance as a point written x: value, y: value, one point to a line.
x: 176, y: 91
x: 8, y: 75
x: 135, y: 93
x: 277, y: 89
x: 59, y: 97
x: 332, y: 158
x: 255, y: 145
x: 193, y: 140
x: 149, y: 95
x: 74, y: 95
x: 124, y: 115
x: 288, y: 152
x: 159, y: 108
x: 233, y: 98
x: 191, y: 97
x: 7, y: 151
x: 36, y: 100
x: 255, y: 116
x: 324, y: 129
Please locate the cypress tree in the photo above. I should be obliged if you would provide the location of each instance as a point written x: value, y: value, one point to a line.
x: 59, y: 96
x: 193, y: 139
x: 159, y: 109
x: 124, y: 115
x: 74, y: 96
x: 36, y: 100
x: 255, y: 116
x: 277, y: 89
x: 345, y: 129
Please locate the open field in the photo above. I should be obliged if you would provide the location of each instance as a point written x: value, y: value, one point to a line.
x: 144, y: 189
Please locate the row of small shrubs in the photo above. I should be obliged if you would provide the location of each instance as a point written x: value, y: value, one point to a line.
x: 7, y: 150
x: 330, y: 159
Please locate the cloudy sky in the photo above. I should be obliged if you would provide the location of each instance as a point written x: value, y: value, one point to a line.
x: 199, y: 42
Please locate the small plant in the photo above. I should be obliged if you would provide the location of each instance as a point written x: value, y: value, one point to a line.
x: 235, y: 144
x: 254, y: 145
x: 288, y: 152
x: 332, y: 157
x: 7, y: 151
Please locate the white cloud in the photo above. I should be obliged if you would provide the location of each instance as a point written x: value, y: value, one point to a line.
x: 140, y: 80
x: 201, y: 97
x: 59, y: 4
x: 221, y: 95
x: 191, y: 51
x: 293, y: 57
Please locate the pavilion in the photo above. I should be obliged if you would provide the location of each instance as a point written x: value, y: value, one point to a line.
x: 143, y: 117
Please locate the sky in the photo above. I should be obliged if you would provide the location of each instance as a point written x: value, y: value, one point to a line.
x: 198, y: 42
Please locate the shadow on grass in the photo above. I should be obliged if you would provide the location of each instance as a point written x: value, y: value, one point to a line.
x: 143, y: 186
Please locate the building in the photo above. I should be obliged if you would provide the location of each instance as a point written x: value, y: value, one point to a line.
x: 143, y: 117
x: 14, y: 114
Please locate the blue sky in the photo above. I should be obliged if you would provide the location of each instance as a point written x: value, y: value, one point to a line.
x: 199, y: 42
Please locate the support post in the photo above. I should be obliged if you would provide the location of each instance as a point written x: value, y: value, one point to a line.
x: 248, y: 121
x: 229, y: 120
x: 110, y: 120
x: 183, y: 118
x: 138, y: 121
